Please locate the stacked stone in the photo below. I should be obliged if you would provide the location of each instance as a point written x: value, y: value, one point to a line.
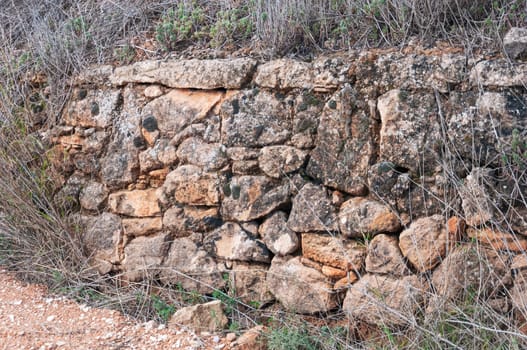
x: 307, y: 183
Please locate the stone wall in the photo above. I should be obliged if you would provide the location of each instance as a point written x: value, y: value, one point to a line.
x: 335, y: 182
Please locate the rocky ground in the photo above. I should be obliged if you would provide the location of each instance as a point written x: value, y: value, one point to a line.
x: 31, y: 318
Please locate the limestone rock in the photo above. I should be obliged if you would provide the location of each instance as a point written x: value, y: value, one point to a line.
x: 191, y: 74
x: 253, y: 118
x: 344, y: 146
x: 361, y: 216
x: 92, y: 108
x: 180, y: 108
x: 93, y: 195
x: 384, y: 256
x: 385, y: 300
x: 252, y: 197
x: 300, y: 288
x: 308, y: 108
x: 142, y: 226
x: 184, y: 220
x: 245, y: 167
x: 192, y: 267
x: 277, y: 161
x: 498, y: 240
x: 203, y: 317
x: 120, y: 166
x: 284, y: 74
x: 189, y: 184
x: 468, y: 269
x: 312, y: 211
x: 208, y: 156
x: 242, y: 153
x: 476, y: 200
x: 333, y: 251
x: 162, y: 154
x: 143, y: 256
x: 253, y: 339
x: 94, y: 75
x: 102, y: 239
x: 250, y: 284
x: 425, y: 242
x: 138, y: 203
x: 499, y: 73
x: 279, y: 238
x: 409, y: 71
x: 153, y: 91
x: 410, y: 130
x: 231, y: 242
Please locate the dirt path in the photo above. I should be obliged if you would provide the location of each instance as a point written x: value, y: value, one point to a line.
x: 31, y: 319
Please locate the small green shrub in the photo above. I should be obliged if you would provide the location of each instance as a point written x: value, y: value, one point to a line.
x: 162, y: 308
x: 182, y: 24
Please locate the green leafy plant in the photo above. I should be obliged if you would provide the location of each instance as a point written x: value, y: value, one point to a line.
x: 181, y: 24
x: 162, y: 308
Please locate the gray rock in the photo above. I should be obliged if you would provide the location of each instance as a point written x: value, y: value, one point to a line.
x: 300, y: 288
x: 498, y: 73
x: 359, y: 217
x: 425, y: 242
x: 344, y: 146
x: 515, y: 43
x: 191, y: 267
x: 92, y: 108
x: 206, y: 155
x: 279, y: 238
x: 179, y: 109
x: 203, y: 317
x: 231, y: 242
x: 93, y: 195
x: 252, y: 197
x: 189, y: 184
x: 410, y: 131
x: 278, y: 161
x: 476, y: 197
x: 284, y: 74
x: 188, y: 74
x: 385, y: 300
x: 384, y: 256
x: 253, y: 118
x: 102, y: 240
x: 312, y: 211
x: 184, y: 220
x: 143, y: 256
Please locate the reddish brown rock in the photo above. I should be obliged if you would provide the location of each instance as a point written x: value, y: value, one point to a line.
x: 312, y: 211
x: 189, y: 184
x: 299, y: 288
x: 333, y: 273
x: 346, y: 282
x: 456, y: 228
x: 142, y: 226
x: 425, y: 242
x: 499, y: 240
x: 333, y: 251
x: 139, y: 203
x: 253, y: 339
x: 359, y: 217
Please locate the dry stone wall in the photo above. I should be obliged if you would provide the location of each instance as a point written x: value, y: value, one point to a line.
x: 318, y: 184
